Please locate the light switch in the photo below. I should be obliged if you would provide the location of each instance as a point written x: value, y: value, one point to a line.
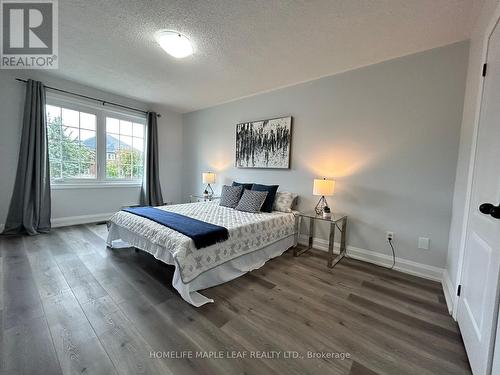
x: 423, y: 243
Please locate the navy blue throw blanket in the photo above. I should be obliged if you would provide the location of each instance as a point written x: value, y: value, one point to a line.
x: 203, y: 234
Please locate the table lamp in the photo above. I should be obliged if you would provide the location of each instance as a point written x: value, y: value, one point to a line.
x: 324, y: 188
x: 208, y: 178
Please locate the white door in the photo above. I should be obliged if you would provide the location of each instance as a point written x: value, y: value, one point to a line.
x: 479, y: 299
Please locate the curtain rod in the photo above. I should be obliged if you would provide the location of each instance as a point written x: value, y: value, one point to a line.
x: 104, y: 102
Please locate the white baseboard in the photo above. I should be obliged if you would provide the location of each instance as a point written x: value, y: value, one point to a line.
x: 403, y: 265
x: 449, y: 292
x: 82, y: 219
x: 74, y: 220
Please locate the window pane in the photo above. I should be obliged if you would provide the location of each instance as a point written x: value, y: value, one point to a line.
x: 112, y: 168
x: 112, y: 143
x: 125, y: 128
x: 87, y: 155
x: 88, y: 138
x: 112, y: 125
x: 138, y: 130
x: 137, y: 171
x: 87, y: 121
x: 125, y: 171
x: 69, y: 134
x: 87, y: 170
x: 55, y: 151
x: 138, y: 144
x: 55, y: 170
x: 125, y: 142
x: 70, y: 117
x: 125, y: 157
x: 70, y: 170
x: 54, y: 134
x: 124, y: 149
x: 70, y: 145
x: 53, y: 113
x: 137, y: 153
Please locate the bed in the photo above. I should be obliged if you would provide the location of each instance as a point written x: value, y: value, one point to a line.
x: 254, y: 238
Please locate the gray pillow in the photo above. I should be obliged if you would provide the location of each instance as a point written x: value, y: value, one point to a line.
x: 230, y: 196
x: 284, y: 201
x: 251, y: 200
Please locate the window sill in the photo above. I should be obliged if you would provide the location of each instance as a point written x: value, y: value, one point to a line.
x: 94, y: 185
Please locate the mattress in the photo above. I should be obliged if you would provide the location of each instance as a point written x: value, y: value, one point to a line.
x: 248, y: 232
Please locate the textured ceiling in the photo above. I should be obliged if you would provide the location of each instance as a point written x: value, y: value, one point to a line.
x: 242, y: 47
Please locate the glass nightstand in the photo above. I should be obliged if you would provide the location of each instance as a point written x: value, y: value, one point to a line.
x: 337, y: 221
x: 202, y: 198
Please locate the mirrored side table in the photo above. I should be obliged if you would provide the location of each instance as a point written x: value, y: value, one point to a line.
x: 338, y: 221
x: 202, y: 198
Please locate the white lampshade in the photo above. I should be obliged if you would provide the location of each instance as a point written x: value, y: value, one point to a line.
x: 323, y: 187
x: 208, y: 177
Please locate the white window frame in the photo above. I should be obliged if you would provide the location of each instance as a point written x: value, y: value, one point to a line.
x: 101, y: 112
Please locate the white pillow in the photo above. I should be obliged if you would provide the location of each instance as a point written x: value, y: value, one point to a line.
x: 284, y: 201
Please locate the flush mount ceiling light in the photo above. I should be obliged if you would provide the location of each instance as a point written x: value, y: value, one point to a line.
x: 174, y: 43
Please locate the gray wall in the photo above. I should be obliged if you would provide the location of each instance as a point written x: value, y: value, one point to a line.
x: 76, y: 202
x: 388, y: 134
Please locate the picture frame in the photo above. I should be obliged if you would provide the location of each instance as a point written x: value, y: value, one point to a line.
x: 264, y: 144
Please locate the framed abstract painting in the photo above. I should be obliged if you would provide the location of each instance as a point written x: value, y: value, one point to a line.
x: 264, y: 143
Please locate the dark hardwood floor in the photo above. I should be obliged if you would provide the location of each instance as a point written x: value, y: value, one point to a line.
x: 70, y: 305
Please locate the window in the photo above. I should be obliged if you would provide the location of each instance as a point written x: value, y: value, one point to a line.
x: 72, y: 143
x: 124, y: 149
x: 91, y: 144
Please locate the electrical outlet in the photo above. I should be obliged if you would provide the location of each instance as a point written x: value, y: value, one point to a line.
x: 423, y: 243
x: 389, y: 236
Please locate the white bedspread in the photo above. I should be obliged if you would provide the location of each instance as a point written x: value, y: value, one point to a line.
x: 248, y: 232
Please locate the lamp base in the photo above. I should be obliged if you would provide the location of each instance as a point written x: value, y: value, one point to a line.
x: 322, y: 203
x: 208, y: 191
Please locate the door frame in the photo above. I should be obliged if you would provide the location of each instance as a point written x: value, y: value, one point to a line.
x: 472, y: 160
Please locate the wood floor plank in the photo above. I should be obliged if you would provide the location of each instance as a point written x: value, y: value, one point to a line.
x: 122, y: 262
x: 422, y: 347
x: 1, y: 283
x: 205, y: 336
x: 125, y: 346
x: 263, y: 306
x: 408, y: 320
x: 358, y: 369
x: 401, y: 295
x: 152, y: 326
x: 217, y: 313
x: 20, y: 294
x: 348, y: 333
x: 100, y: 229
x: 407, y: 307
x: 28, y: 349
x: 47, y: 275
x: 77, y: 346
x: 386, y: 274
x: 304, y: 286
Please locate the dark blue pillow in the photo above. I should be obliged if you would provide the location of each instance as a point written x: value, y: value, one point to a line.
x: 271, y: 194
x: 245, y: 186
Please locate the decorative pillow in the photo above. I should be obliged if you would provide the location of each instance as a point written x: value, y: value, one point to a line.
x: 244, y: 185
x: 284, y: 201
x: 251, y: 201
x: 271, y: 193
x: 230, y: 196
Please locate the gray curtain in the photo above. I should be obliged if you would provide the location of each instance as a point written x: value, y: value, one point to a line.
x: 151, y: 189
x: 29, y: 210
